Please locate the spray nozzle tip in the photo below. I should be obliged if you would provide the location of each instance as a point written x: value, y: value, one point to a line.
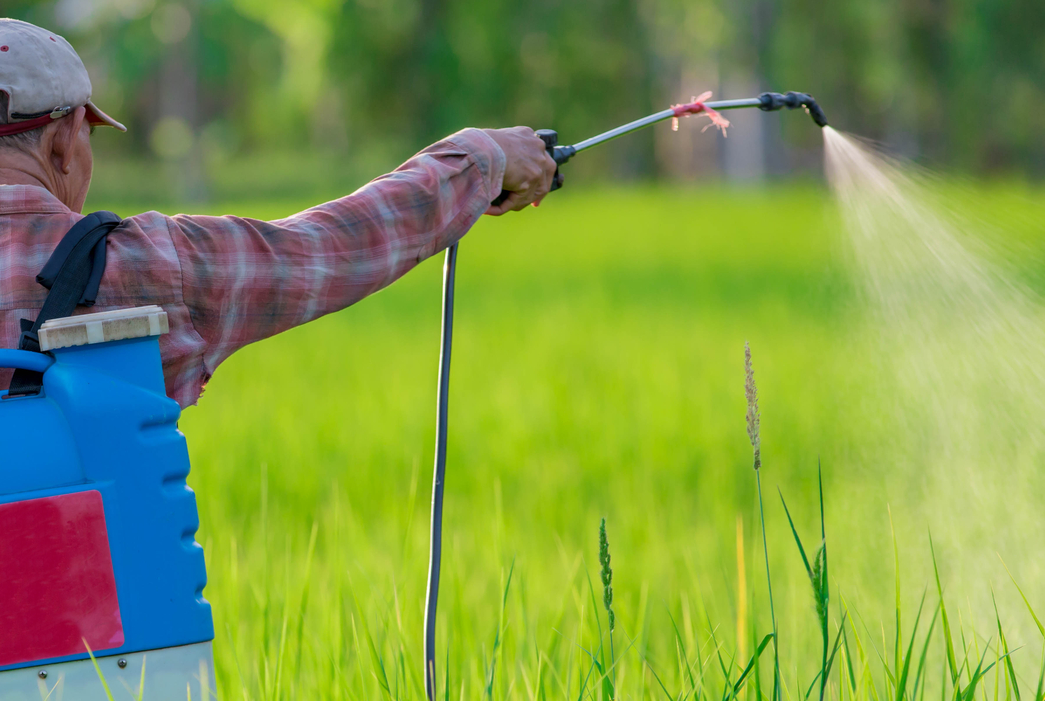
x: 815, y: 112
x: 772, y: 101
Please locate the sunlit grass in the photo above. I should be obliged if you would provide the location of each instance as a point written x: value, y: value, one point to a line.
x: 598, y: 373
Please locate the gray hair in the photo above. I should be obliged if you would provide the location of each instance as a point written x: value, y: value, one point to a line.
x: 26, y: 141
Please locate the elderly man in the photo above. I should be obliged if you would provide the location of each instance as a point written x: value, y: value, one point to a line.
x: 225, y: 281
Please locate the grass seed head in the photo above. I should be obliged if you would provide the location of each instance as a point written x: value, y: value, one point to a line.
x: 606, y: 574
x: 818, y: 578
x: 751, y: 392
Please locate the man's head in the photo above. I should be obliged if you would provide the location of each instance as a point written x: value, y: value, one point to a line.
x: 46, y: 113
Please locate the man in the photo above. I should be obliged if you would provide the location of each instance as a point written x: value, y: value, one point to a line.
x: 225, y: 281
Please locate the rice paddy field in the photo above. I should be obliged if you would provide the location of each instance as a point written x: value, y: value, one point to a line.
x: 598, y: 372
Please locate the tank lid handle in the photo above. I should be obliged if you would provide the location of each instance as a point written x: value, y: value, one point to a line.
x: 115, y: 325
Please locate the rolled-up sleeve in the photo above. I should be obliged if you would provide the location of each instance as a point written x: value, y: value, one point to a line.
x: 244, y: 280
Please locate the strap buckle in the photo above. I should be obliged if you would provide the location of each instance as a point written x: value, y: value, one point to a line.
x: 28, y: 340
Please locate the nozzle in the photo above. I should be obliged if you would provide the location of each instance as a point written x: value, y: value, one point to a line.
x: 772, y: 101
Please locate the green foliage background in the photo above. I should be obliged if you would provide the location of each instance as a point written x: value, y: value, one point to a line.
x: 960, y: 82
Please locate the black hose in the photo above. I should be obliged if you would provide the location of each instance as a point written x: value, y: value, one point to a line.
x: 436, y: 551
x: 769, y: 102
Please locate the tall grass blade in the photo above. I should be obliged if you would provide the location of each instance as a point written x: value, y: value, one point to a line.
x: 969, y: 693
x: 359, y: 658
x: 881, y: 658
x: 769, y: 586
x: 584, y: 684
x: 378, y: 671
x: 898, y: 643
x: 661, y: 683
x: 859, y: 649
x: 727, y: 677
x: 741, y: 592
x: 1005, y: 648
x: 947, y: 638
x: 98, y: 670
x: 303, y: 604
x: 42, y: 687
x: 722, y: 665
x: 281, y: 654
x: 919, y: 674
x: 204, y: 681
x: 794, y: 532
x: 820, y: 486
x: 847, y: 654
x: 901, y: 683
x: 817, y: 573
x: 831, y: 658
x: 752, y: 664
x: 598, y: 623
x: 680, y: 645
x: 446, y: 675
x: 758, y: 669
x: 497, y: 635
x: 1041, y: 677
x: 1037, y: 622
x: 825, y: 669
x: 963, y: 667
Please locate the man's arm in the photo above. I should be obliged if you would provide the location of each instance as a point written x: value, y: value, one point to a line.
x: 244, y: 280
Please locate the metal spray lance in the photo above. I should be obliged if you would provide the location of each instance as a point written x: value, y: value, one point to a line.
x: 767, y: 102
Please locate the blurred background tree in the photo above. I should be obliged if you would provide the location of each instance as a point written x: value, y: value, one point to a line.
x: 336, y: 90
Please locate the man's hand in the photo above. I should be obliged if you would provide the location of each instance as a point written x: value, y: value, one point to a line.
x: 529, y: 170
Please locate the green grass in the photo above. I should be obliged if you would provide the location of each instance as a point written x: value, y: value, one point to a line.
x: 598, y: 372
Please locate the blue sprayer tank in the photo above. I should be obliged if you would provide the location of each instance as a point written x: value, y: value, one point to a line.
x: 97, y: 523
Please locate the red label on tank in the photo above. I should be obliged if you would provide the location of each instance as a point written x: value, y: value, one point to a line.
x: 56, y: 579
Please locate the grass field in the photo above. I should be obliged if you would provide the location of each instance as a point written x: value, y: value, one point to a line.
x: 598, y: 372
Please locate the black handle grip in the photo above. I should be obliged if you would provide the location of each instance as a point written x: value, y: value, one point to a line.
x: 551, y: 143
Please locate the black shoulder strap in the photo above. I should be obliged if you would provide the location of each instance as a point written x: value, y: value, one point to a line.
x: 72, y: 274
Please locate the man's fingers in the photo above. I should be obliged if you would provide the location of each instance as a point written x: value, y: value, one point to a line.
x: 530, y: 192
x: 542, y: 189
x: 511, y: 204
x: 524, y: 198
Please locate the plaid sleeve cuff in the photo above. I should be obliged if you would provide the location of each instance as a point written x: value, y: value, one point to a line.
x: 488, y: 156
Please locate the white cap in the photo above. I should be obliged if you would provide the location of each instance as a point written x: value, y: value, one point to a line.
x: 44, y: 79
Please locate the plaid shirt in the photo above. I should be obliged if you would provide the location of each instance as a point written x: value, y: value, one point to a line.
x: 227, y: 281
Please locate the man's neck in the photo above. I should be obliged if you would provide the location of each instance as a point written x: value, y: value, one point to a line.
x: 38, y: 167
x: 15, y: 176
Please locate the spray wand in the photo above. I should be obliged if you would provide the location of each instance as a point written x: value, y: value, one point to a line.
x: 767, y: 102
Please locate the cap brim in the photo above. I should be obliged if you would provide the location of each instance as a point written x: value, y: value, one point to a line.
x: 96, y: 117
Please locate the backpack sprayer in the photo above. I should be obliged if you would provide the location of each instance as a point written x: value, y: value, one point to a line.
x: 97, y: 524
x: 767, y: 102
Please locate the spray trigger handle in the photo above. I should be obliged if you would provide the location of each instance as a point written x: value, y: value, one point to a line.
x: 560, y: 154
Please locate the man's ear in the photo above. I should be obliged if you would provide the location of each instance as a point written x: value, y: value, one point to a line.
x: 63, y: 146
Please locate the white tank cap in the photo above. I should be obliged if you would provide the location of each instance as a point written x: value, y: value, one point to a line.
x: 116, y: 325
